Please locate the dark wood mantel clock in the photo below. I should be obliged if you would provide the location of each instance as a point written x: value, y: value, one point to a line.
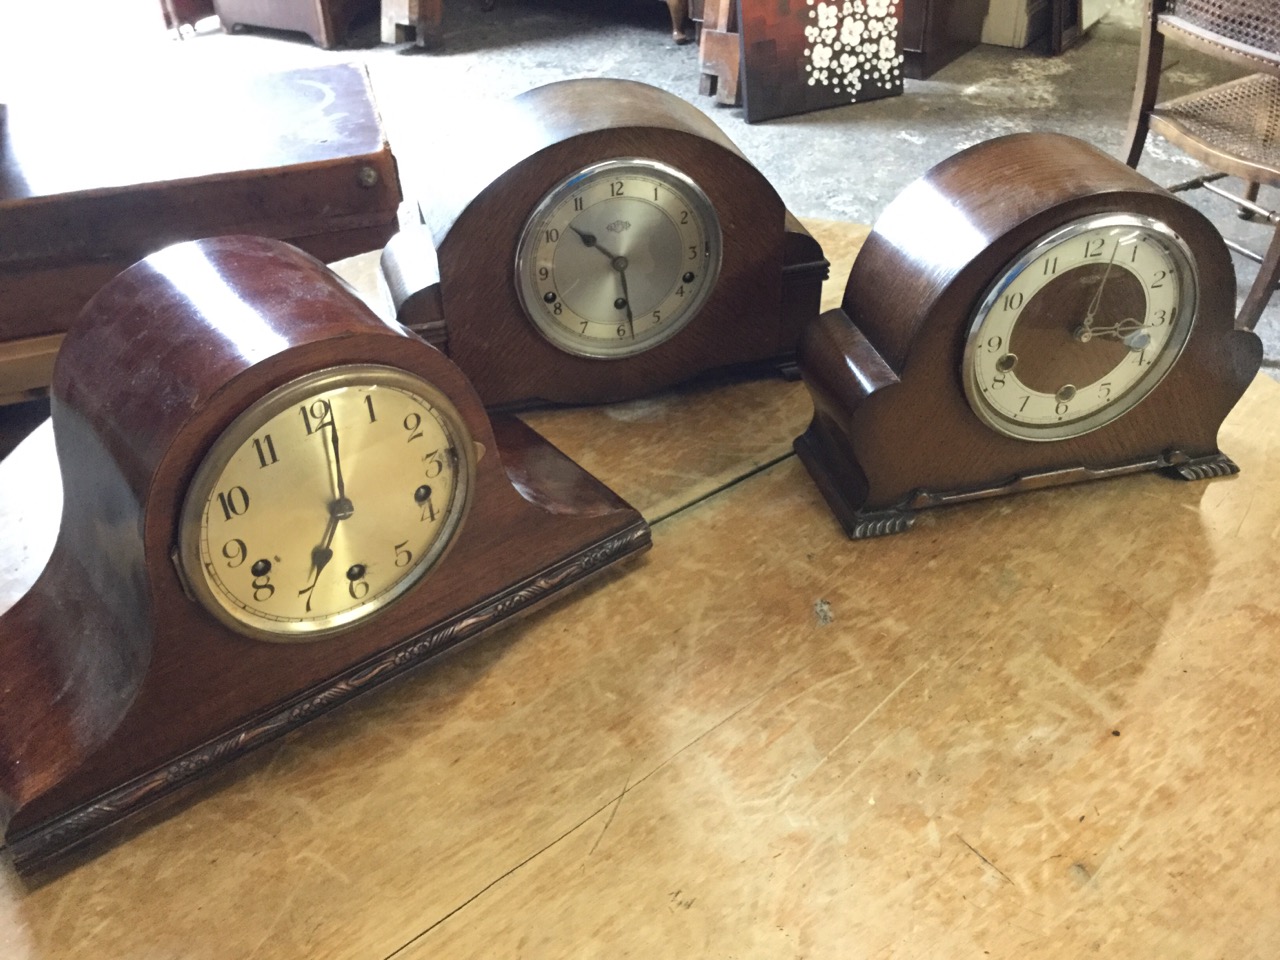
x: 1031, y: 312
x: 272, y: 501
x: 595, y: 240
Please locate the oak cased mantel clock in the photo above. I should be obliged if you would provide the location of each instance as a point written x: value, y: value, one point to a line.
x: 595, y: 240
x: 273, y: 501
x: 1031, y: 312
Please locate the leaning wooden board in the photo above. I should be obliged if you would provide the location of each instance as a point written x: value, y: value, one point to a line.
x: 1036, y: 727
x: 86, y: 189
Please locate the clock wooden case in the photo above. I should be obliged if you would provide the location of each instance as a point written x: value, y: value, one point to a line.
x: 1029, y: 313
x: 226, y: 569
x: 595, y: 240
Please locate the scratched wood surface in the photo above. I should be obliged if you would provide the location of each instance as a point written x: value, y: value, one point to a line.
x: 1042, y: 726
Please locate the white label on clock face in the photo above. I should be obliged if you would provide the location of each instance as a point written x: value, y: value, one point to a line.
x: 618, y: 258
x: 330, y: 507
x: 1081, y: 328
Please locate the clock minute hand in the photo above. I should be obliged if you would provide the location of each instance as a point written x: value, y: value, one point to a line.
x: 1086, y: 331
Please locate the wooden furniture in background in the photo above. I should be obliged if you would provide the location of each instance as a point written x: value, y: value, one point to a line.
x: 720, y: 52
x: 299, y: 156
x: 935, y: 32
x: 326, y: 22
x: 1039, y: 728
x: 422, y: 21
x: 1232, y: 128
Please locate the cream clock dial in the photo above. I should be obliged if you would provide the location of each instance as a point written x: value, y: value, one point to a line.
x: 618, y: 258
x: 1080, y: 328
x: 325, y: 501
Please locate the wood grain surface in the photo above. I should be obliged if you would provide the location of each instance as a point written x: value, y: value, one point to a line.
x: 1035, y: 727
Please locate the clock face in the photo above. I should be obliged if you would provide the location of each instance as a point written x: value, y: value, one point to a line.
x: 1080, y: 328
x: 618, y: 258
x: 325, y: 501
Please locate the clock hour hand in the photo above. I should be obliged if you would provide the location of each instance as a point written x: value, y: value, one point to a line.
x: 321, y: 554
x: 589, y: 240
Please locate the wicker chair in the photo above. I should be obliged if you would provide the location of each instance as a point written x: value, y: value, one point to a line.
x: 1233, y: 128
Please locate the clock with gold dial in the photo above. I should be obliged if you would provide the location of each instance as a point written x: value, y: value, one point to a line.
x: 325, y: 501
x: 1029, y: 313
x: 273, y: 500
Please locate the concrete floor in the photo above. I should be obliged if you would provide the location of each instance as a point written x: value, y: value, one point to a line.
x: 846, y: 163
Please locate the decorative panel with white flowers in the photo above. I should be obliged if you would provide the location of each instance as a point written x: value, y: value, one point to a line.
x: 802, y: 55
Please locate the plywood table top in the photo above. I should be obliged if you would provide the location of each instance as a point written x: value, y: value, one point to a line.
x: 1042, y: 726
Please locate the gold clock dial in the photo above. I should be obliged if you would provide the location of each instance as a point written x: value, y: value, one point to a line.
x: 1082, y: 327
x: 325, y: 501
x: 618, y: 258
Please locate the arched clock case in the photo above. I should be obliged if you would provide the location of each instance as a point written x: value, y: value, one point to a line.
x: 273, y: 501
x: 595, y: 240
x: 1029, y: 313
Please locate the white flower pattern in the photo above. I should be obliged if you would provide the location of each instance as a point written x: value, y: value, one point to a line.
x: 852, y: 42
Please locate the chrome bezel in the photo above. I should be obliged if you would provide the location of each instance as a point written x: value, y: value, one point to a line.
x: 1188, y: 299
x: 700, y: 207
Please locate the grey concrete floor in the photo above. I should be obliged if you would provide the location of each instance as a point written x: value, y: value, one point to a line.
x: 845, y: 163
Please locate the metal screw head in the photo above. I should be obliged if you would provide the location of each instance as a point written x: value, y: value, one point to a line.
x: 367, y: 177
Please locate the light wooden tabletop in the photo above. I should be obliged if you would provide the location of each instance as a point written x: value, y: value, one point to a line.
x: 1043, y: 726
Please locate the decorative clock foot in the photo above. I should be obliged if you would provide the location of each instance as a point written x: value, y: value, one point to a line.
x: 881, y: 523
x: 1205, y: 468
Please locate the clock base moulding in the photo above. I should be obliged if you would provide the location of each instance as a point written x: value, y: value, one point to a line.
x: 121, y: 692
x: 898, y: 424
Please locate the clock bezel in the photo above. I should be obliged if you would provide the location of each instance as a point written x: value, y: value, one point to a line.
x: 1179, y: 253
x: 187, y: 551
x: 701, y: 208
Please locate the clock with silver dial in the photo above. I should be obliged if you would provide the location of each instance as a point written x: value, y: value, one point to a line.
x: 618, y: 258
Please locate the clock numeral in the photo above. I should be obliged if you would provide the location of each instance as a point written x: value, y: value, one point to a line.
x: 655, y: 194
x: 544, y: 273
x: 1012, y: 301
x: 262, y: 588
x: 1022, y: 408
x: 428, y: 510
x: 1134, y: 257
x: 553, y: 236
x: 622, y: 331
x: 236, y: 553
x: 368, y: 402
x: 1161, y: 317
x: 234, y: 502
x: 1060, y: 408
x: 998, y: 382
x: 684, y: 217
x: 411, y: 423
x: 680, y: 290
x: 585, y: 324
x: 1159, y: 280
x: 657, y: 316
x: 1142, y: 358
x: 557, y: 308
x: 1104, y: 391
x: 317, y: 416
x: 435, y: 464
x: 358, y: 589
x: 1094, y: 248
x: 995, y: 343
x: 266, y: 451
x: 577, y: 203
x: 615, y: 188
x: 1051, y: 266
x: 693, y: 253
x: 403, y: 557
